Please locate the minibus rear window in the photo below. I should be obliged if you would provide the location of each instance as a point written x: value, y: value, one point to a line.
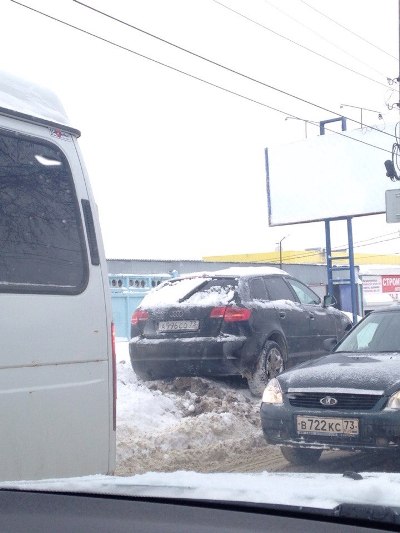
x: 42, y: 246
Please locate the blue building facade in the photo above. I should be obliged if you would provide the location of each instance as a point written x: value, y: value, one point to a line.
x: 127, y: 291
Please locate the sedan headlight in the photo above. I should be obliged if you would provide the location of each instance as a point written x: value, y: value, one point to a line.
x: 394, y: 401
x: 273, y: 393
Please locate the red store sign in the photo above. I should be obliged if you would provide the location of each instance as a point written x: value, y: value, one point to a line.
x: 391, y: 283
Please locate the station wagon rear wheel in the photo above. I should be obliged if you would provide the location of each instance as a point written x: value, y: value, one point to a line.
x: 270, y: 363
x: 300, y: 456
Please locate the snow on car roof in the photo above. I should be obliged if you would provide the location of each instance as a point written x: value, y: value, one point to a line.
x: 22, y: 96
x: 395, y: 306
x: 236, y: 271
x: 175, y: 290
x: 378, y: 270
x: 249, y: 271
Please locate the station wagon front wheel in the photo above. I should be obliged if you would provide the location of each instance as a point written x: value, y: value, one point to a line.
x: 270, y: 363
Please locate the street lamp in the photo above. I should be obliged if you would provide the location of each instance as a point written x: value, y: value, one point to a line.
x: 280, y: 250
x: 361, y: 109
x: 302, y: 120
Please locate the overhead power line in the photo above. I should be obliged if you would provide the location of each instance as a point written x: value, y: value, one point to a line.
x: 108, y: 41
x: 321, y: 36
x: 338, y: 248
x: 376, y: 237
x: 377, y: 242
x: 378, y: 255
x: 356, y: 244
x: 347, y: 29
x: 297, y: 44
x: 224, y: 67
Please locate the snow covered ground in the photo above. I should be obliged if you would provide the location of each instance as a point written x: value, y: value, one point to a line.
x: 181, y: 424
x: 178, y: 438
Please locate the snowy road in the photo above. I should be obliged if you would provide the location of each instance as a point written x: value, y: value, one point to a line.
x: 205, y: 425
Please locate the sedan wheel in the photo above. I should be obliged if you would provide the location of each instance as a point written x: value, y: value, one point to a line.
x: 300, y: 456
x: 270, y: 364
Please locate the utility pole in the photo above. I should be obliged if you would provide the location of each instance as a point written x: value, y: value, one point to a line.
x: 280, y: 249
x: 391, y: 164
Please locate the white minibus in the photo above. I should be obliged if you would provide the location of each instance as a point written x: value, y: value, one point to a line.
x: 57, y: 356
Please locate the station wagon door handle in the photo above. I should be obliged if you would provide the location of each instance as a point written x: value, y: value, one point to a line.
x: 312, y: 316
x: 282, y: 314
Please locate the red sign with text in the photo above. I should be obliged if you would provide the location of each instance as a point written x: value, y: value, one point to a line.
x: 390, y: 283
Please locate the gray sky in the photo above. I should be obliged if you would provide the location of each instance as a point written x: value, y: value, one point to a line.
x: 177, y: 166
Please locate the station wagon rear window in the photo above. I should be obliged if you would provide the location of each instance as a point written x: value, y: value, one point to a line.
x: 197, y: 291
x: 41, y: 237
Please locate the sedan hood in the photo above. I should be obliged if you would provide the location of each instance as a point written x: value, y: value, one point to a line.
x: 361, y: 371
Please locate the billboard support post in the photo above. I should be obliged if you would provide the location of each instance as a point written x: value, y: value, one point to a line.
x: 353, y: 287
x: 350, y: 267
x: 329, y: 256
x: 350, y: 255
x: 329, y: 121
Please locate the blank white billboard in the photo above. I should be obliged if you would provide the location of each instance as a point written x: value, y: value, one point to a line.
x: 329, y: 176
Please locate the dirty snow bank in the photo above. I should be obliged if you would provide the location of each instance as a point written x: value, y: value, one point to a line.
x: 184, y: 423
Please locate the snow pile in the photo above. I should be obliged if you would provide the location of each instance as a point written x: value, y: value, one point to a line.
x: 184, y: 423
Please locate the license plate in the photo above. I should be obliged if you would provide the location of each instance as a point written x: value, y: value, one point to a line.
x: 315, y: 425
x: 179, y: 325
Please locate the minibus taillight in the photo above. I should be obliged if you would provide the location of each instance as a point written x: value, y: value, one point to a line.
x: 231, y: 314
x: 114, y: 370
x: 139, y: 316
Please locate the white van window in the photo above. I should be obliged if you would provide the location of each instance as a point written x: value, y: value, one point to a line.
x: 41, y: 236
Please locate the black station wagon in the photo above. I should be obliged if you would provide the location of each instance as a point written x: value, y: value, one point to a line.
x: 248, y: 321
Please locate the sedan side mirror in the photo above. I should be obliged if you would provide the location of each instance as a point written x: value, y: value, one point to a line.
x: 329, y: 300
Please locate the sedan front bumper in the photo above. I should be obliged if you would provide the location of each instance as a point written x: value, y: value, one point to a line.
x: 378, y: 429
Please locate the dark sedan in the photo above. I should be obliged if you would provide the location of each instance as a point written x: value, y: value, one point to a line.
x: 349, y: 399
x: 253, y: 322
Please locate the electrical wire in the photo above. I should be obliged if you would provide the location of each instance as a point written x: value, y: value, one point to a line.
x: 388, y: 98
x: 378, y: 255
x: 296, y: 43
x: 213, y: 85
x: 115, y: 19
x: 338, y: 248
x: 377, y: 242
x: 376, y: 237
x: 396, y: 150
x: 190, y: 75
x: 347, y: 29
x: 320, y: 36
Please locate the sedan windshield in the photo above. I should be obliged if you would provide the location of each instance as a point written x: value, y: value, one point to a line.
x: 379, y: 332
